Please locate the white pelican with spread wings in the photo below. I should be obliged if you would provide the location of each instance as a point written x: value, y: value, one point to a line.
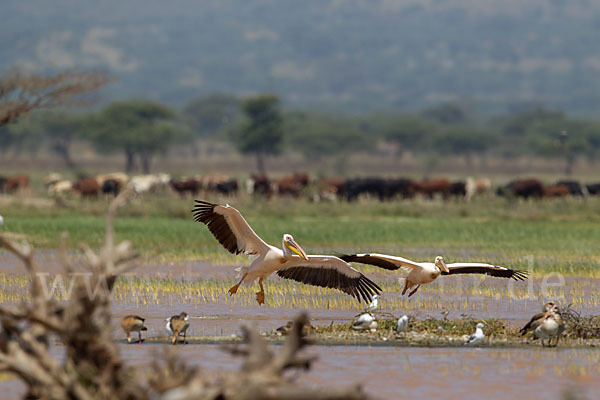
x: 420, y: 273
x: 291, y: 262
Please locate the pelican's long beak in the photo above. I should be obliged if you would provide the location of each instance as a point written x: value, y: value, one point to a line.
x: 442, y: 265
x: 294, y: 247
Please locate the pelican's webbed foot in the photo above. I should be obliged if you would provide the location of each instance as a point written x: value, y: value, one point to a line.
x: 260, y: 298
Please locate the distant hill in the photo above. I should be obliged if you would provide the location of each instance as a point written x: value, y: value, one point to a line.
x: 345, y: 55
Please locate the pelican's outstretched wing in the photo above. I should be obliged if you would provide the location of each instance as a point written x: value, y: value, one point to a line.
x: 329, y: 272
x: 487, y: 269
x: 381, y: 261
x: 229, y: 228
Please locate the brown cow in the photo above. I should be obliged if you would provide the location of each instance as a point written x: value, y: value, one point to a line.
x: 430, y: 187
x: 557, y: 191
x: 190, y: 185
x: 87, y: 187
x: 525, y: 188
x: 14, y: 183
x: 292, y: 185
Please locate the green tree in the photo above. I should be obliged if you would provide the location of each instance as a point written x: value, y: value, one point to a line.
x: 317, y: 135
x: 447, y: 114
x: 410, y: 132
x: 261, y: 133
x: 210, y: 115
x: 141, y: 129
x: 463, y: 141
x: 559, y: 138
x: 60, y: 130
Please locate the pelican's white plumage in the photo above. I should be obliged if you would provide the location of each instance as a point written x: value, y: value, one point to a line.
x: 477, y: 337
x: 291, y: 262
x: 420, y: 273
x: 402, y: 324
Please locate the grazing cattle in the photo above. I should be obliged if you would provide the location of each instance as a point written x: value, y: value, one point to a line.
x: 190, y: 185
x: 87, y: 187
x: 119, y: 177
x: 525, y: 188
x: 458, y: 189
x: 430, y: 187
x: 14, y: 183
x: 52, y: 178
x: 593, y: 189
x: 60, y: 187
x: 372, y: 186
x: 557, y: 191
x: 145, y: 183
x: 477, y: 187
x: 575, y: 188
x: 227, y: 188
x: 260, y: 185
x: 2, y: 181
x: 210, y: 182
x: 329, y: 188
x: 291, y: 185
x: 403, y: 187
x: 111, y: 186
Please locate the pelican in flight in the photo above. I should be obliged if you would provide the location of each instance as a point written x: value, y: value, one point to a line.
x: 420, y: 273
x: 291, y: 262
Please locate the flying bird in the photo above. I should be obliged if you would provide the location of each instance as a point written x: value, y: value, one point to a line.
x: 133, y: 323
x: 477, y: 337
x: 420, y: 273
x: 290, y: 262
x: 177, y: 325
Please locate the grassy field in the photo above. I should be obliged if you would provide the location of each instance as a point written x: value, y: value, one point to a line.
x: 561, y: 235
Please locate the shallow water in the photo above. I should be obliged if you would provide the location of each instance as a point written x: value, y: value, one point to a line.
x: 383, y: 371
x: 388, y: 372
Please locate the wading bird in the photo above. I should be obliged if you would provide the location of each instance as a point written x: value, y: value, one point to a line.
x: 290, y: 262
x: 133, y: 323
x: 477, y: 337
x: 550, y: 327
x: 365, y: 322
x: 545, y: 325
x: 178, y: 325
x: 402, y: 324
x: 420, y: 273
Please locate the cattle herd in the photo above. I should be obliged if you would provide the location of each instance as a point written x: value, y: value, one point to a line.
x: 299, y: 184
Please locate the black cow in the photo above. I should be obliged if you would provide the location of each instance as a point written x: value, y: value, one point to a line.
x: 575, y: 188
x: 2, y: 181
x: 458, y: 189
x: 593, y: 189
x: 229, y: 187
x: 402, y: 187
x: 353, y: 188
x: 111, y: 186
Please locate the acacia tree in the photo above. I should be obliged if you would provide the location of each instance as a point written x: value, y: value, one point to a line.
x: 262, y: 132
x: 141, y: 129
x: 22, y: 92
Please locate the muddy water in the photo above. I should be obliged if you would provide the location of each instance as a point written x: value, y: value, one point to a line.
x: 387, y: 372
x: 384, y: 371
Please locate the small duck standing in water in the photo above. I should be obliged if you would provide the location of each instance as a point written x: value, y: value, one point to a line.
x: 178, y: 325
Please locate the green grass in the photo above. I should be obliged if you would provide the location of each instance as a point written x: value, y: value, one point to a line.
x: 561, y: 235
